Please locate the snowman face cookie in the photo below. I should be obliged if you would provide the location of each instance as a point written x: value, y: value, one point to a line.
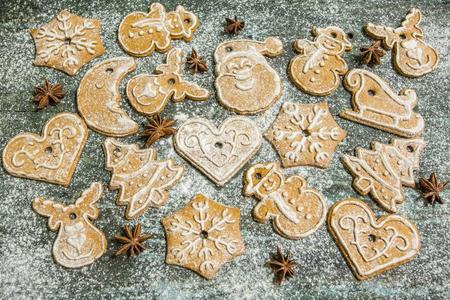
x: 245, y: 82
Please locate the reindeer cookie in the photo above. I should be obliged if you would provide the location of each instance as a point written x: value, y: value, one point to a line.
x: 412, y: 57
x: 143, y: 181
x: 371, y: 245
x: 141, y: 33
x: 79, y: 242
x: 383, y: 170
x: 376, y: 105
x: 296, y: 211
x: 51, y: 157
x: 67, y: 42
x: 245, y: 82
x: 317, y: 68
x: 149, y: 94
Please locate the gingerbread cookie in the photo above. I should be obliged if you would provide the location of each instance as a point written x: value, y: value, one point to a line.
x: 141, y: 33
x: 67, y: 42
x: 317, y: 68
x: 203, y: 236
x: 305, y: 135
x: 51, y: 157
x: 98, y: 98
x: 296, y: 211
x: 218, y: 152
x: 376, y: 105
x: 245, y: 82
x: 383, y: 170
x: 371, y: 246
x: 79, y: 242
x: 143, y: 181
x: 149, y: 94
x: 412, y: 57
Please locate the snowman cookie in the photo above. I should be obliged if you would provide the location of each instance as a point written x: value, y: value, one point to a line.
x: 295, y: 209
x: 245, y: 82
x: 317, y: 68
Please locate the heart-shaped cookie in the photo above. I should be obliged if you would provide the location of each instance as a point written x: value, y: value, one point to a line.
x: 370, y: 245
x: 218, y: 152
x: 51, y: 157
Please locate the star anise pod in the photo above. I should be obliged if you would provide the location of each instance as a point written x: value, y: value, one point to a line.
x: 282, y: 266
x: 132, y: 241
x: 196, y: 62
x: 157, y: 128
x: 48, y: 92
x: 234, y: 26
x: 432, y: 188
x: 372, y: 54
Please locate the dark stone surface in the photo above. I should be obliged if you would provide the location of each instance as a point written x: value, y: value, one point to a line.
x: 27, y: 269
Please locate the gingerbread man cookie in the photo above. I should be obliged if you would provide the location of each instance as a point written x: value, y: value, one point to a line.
x: 376, y: 105
x: 412, y: 57
x: 79, y: 242
x: 98, y: 98
x: 143, y: 181
x: 218, y: 152
x: 317, y: 68
x: 245, y: 82
x: 141, y: 33
x: 371, y: 246
x: 67, y: 42
x: 296, y: 211
x: 382, y: 171
x: 149, y: 94
x: 51, y: 157
x: 203, y: 236
x: 305, y: 135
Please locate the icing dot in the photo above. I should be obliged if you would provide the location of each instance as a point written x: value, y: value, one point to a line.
x: 163, y: 177
x: 141, y: 33
x: 124, y: 169
x: 150, y: 30
x: 377, y: 160
x: 312, y: 79
x: 139, y: 185
x: 382, y: 190
x: 131, y: 183
x: 130, y: 34
x: 322, y: 64
x: 399, y: 162
x: 291, y: 201
x: 270, y: 180
x: 325, y: 57
x: 386, y: 173
x: 284, y: 194
x: 300, y: 208
x: 308, y: 216
x: 317, y: 71
x: 266, y: 185
x: 385, y: 197
x: 358, y: 168
x: 145, y: 175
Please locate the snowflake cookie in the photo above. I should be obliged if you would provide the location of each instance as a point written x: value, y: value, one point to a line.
x: 305, y: 135
x: 371, y: 245
x: 67, y: 42
x: 295, y: 209
x: 79, y: 242
x: 203, y: 236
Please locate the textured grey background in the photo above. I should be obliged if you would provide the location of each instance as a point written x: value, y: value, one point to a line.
x: 27, y: 269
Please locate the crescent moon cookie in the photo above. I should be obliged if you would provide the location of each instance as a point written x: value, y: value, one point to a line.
x: 295, y: 209
x: 371, y: 245
x: 305, y: 135
x: 51, y: 157
x: 412, y: 57
x: 375, y: 104
x: 317, y: 68
x: 79, y: 243
x: 149, y: 94
x: 98, y: 98
x: 246, y: 83
x: 143, y: 181
x: 142, y: 33
x: 384, y: 169
x: 67, y: 42
x: 218, y: 152
x: 203, y: 236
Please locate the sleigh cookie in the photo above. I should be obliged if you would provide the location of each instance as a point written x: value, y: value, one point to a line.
x: 317, y: 68
x: 296, y: 211
x: 412, y: 57
x: 79, y: 242
x: 376, y: 105
x: 245, y: 82
x: 383, y: 170
x: 149, y: 94
x: 142, y: 33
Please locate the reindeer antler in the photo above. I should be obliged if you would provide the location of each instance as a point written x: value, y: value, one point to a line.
x: 87, y: 200
x: 174, y: 63
x: 49, y: 209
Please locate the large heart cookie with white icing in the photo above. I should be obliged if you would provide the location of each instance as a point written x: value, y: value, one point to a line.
x: 218, y: 152
x: 51, y: 157
x: 371, y: 246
